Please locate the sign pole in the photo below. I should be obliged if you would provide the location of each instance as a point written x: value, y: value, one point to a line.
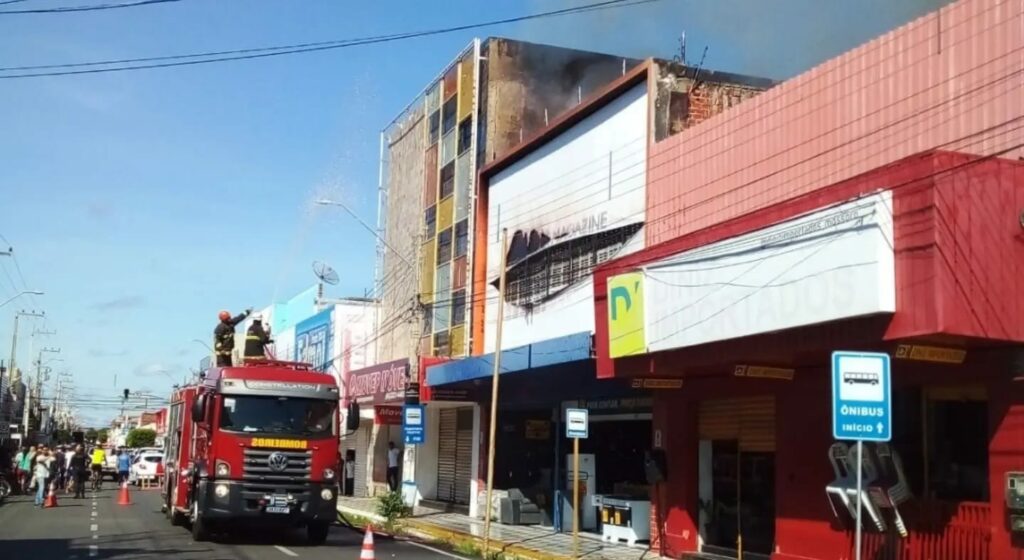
x: 494, y: 392
x: 860, y: 465
x: 576, y: 497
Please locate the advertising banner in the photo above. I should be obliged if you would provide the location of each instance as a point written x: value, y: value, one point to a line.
x: 313, y: 340
x: 379, y: 384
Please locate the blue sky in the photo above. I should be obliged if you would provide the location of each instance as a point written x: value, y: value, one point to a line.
x: 144, y: 202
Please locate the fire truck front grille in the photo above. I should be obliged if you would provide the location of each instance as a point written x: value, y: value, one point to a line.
x: 261, y: 474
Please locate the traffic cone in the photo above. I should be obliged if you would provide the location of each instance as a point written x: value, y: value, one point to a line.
x: 51, y: 498
x: 367, y: 552
x: 123, y: 499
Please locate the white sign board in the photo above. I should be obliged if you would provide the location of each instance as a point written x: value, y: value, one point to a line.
x: 577, y: 423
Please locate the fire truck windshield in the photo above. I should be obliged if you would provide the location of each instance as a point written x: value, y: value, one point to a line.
x: 278, y: 415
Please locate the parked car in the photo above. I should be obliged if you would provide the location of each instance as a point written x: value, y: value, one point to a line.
x: 145, y: 466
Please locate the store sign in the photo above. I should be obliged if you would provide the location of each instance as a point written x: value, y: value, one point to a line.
x: 764, y: 372
x: 390, y: 415
x: 626, y: 315
x: 624, y: 404
x: 313, y: 341
x: 861, y: 396
x: 931, y: 354
x: 379, y: 384
x: 538, y: 429
x: 647, y: 383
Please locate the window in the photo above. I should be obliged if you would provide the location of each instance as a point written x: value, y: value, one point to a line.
x: 448, y: 116
x: 435, y: 126
x: 459, y: 307
x: 430, y: 222
x: 444, y: 246
x: 442, y: 344
x: 277, y: 415
x: 461, y: 238
x: 465, y: 134
x: 448, y: 180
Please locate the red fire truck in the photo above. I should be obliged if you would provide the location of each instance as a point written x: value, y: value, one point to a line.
x: 254, y: 444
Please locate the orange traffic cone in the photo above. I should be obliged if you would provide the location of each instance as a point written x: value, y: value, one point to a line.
x: 123, y: 499
x: 367, y: 553
x: 51, y: 498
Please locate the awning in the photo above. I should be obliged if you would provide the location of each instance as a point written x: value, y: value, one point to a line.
x: 569, y: 348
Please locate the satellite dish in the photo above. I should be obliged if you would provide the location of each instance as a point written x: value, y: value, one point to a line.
x: 325, y: 273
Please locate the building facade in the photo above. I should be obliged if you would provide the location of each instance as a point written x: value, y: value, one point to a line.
x: 873, y: 203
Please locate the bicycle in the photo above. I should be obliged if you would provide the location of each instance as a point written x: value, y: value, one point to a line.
x: 96, y: 478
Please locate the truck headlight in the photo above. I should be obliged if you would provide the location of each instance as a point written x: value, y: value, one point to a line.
x: 326, y: 494
x: 223, y: 469
x: 328, y: 474
x: 220, y: 490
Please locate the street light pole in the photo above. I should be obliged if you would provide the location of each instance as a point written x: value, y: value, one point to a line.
x: 19, y: 294
x: 375, y: 233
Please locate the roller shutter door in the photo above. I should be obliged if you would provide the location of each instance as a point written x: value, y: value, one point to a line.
x: 463, y: 455
x: 447, y: 454
x: 362, y: 448
x: 751, y: 421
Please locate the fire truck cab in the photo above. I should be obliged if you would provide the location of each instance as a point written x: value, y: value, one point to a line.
x: 254, y: 444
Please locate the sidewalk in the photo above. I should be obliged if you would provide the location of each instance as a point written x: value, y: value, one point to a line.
x: 521, y: 541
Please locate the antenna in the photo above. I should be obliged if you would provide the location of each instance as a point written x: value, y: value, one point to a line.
x: 326, y: 275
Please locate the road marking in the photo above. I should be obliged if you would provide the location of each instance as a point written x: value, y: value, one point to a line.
x: 94, y: 550
x: 95, y: 537
x: 94, y: 527
x: 286, y: 551
x: 94, y: 514
x: 437, y: 550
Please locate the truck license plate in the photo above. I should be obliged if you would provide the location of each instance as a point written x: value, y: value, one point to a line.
x: 278, y: 504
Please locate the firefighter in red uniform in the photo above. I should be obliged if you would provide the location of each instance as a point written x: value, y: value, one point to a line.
x: 224, y: 336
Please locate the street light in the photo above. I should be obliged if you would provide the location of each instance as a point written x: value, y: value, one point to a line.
x: 204, y: 344
x: 343, y: 206
x: 19, y: 294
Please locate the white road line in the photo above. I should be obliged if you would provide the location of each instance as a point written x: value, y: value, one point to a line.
x: 94, y: 514
x: 286, y: 551
x: 95, y: 537
x: 94, y: 550
x: 437, y: 550
x: 94, y: 527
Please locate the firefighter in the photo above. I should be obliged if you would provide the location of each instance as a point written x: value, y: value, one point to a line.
x: 224, y: 336
x: 256, y: 340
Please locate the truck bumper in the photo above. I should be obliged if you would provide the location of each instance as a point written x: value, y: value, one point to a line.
x: 240, y: 501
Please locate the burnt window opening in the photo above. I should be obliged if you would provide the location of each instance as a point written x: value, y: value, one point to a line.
x: 540, y: 271
x: 448, y: 180
x: 435, y: 126
x: 444, y: 246
x: 448, y: 114
x: 458, y: 308
x: 461, y: 238
x: 430, y: 222
x: 465, y: 134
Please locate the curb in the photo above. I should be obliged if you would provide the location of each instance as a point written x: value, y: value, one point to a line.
x: 426, y: 530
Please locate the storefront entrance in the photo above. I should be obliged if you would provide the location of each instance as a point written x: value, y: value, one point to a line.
x: 737, y: 477
x: 455, y: 455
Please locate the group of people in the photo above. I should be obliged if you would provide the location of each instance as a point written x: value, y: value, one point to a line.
x: 257, y: 338
x: 58, y: 468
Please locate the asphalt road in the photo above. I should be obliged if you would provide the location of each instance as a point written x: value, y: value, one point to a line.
x: 97, y: 527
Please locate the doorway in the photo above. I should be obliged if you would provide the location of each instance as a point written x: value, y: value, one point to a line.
x: 736, y: 470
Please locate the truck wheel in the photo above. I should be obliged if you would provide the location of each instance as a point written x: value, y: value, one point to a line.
x: 199, y: 531
x: 316, y: 532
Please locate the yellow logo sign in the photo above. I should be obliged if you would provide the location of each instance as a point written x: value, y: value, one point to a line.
x: 626, y: 335
x: 279, y: 443
x: 931, y: 354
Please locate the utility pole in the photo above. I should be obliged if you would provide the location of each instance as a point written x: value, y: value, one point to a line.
x: 12, y: 364
x: 27, y: 416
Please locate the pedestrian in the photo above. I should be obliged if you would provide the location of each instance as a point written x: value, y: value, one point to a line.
x: 224, y: 336
x: 124, y: 465
x: 70, y: 476
x: 393, y: 454
x: 41, y: 471
x: 25, y: 468
x: 78, y: 463
x: 350, y: 472
x: 58, y: 461
x: 256, y: 340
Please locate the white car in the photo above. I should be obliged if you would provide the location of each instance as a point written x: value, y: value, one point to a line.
x: 145, y: 466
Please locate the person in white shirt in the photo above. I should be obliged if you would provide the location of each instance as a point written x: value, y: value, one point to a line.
x: 393, y: 454
x: 350, y: 472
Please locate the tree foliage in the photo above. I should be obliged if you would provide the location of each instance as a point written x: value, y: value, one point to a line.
x: 140, y: 437
x: 91, y: 434
x: 102, y: 435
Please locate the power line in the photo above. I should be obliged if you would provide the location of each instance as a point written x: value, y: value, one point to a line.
x: 263, y: 52
x: 91, y: 8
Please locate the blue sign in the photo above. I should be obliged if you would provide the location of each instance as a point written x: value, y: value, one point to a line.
x: 313, y: 341
x: 577, y: 424
x: 861, y: 396
x: 413, y: 424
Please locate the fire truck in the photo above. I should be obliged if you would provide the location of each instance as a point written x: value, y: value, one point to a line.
x: 254, y: 444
